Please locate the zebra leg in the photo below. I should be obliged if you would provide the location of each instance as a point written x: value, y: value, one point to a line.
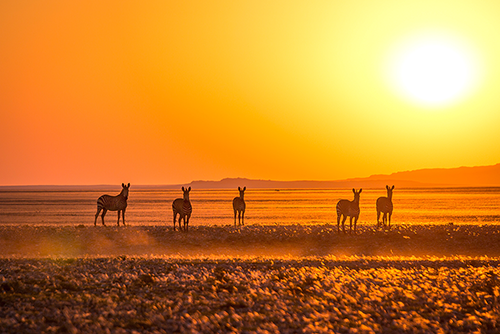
x: 338, y: 223
x: 390, y: 214
x: 350, y: 224
x: 123, y: 217
x: 175, y: 214
x: 118, y: 223
x: 378, y: 217
x: 97, y: 215
x: 186, y: 222
x: 235, y: 217
x: 355, y: 223
x: 104, y: 210
x: 242, y: 217
x: 343, y: 223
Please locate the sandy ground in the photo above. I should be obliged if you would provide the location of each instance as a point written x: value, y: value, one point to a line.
x: 257, y: 279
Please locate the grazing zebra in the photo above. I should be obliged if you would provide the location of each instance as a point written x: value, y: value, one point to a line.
x: 384, y: 205
x: 182, y: 206
x: 239, y: 206
x: 113, y: 203
x: 348, y: 209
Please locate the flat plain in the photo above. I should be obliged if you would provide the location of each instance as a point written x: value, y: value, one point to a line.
x: 286, y: 271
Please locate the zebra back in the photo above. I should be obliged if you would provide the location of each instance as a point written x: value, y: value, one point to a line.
x: 239, y: 202
x: 384, y: 204
x: 187, y: 208
x: 114, y: 203
x: 183, y: 205
x: 349, y: 208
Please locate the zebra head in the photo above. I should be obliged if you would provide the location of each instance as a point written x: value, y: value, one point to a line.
x: 125, y: 190
x: 242, y: 191
x: 356, y: 194
x: 186, y: 193
x: 389, y: 191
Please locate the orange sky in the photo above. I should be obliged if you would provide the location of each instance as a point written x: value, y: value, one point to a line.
x: 158, y: 92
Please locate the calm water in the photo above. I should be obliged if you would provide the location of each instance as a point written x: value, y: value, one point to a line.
x: 214, y: 207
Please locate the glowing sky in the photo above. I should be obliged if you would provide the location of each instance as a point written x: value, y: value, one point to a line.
x: 158, y: 92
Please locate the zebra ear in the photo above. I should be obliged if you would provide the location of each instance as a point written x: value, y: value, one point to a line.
x: 387, y: 187
x: 189, y: 189
x: 244, y: 188
x: 353, y: 190
x: 128, y: 185
x: 123, y: 185
x: 182, y: 188
x: 239, y: 189
x: 392, y: 188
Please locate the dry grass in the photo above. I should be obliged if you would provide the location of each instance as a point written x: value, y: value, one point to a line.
x: 123, y: 294
x: 288, y: 279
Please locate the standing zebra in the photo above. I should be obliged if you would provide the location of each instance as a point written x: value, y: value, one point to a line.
x: 348, y: 209
x: 384, y: 205
x: 239, y: 206
x: 182, y: 206
x: 113, y: 203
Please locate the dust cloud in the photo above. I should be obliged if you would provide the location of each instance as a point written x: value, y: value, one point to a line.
x: 249, y: 241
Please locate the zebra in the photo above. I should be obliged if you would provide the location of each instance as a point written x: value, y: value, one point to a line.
x: 348, y: 209
x: 384, y: 205
x: 182, y: 206
x: 113, y: 203
x: 239, y: 206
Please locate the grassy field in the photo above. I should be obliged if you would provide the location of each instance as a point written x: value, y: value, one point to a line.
x: 262, y: 279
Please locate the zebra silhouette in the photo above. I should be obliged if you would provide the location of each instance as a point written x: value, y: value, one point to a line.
x: 182, y: 206
x: 239, y: 206
x: 384, y: 205
x: 113, y: 203
x: 348, y: 209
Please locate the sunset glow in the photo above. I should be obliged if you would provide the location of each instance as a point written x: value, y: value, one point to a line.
x: 168, y: 92
x: 433, y: 71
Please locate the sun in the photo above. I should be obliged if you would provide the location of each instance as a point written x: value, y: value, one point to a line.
x: 434, y: 71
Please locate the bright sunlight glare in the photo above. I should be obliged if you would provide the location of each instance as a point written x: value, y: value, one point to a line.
x: 434, y: 71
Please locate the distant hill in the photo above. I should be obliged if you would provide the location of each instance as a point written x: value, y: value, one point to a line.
x: 304, y: 184
x: 483, y: 176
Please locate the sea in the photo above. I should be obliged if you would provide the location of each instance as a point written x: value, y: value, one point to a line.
x: 153, y: 207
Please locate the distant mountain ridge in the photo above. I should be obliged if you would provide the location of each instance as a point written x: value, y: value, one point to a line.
x: 480, y: 176
x: 303, y: 184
